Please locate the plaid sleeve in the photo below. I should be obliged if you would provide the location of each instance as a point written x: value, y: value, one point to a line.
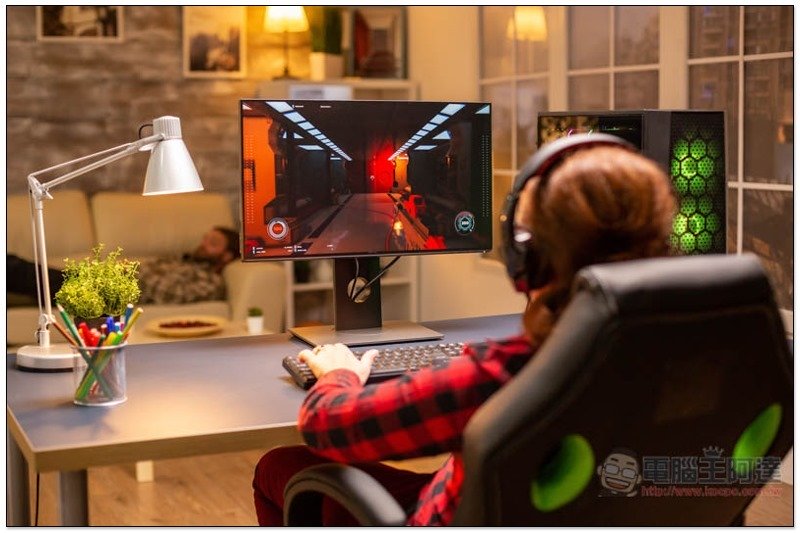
x: 420, y: 413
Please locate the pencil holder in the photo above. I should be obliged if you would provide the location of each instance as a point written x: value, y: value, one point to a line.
x: 99, y: 375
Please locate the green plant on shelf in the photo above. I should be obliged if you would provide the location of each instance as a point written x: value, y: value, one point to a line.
x: 97, y: 286
x: 325, y: 25
x: 255, y: 311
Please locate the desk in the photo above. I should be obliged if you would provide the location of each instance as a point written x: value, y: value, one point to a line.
x: 184, y: 398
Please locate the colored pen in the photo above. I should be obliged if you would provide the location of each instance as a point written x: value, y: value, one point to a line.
x: 127, y: 316
x: 129, y: 323
x: 70, y: 325
x: 65, y: 333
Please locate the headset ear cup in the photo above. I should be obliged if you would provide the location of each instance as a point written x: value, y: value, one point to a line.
x: 528, y: 268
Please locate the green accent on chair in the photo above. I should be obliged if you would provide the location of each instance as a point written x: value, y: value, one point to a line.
x: 564, y: 476
x: 756, y: 439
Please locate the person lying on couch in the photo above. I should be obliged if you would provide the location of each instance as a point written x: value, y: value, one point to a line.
x: 192, y: 277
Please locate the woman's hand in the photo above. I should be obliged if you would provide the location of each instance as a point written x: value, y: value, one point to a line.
x: 328, y: 357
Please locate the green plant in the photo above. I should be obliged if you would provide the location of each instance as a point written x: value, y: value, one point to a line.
x: 96, y: 286
x: 325, y: 24
x: 255, y: 311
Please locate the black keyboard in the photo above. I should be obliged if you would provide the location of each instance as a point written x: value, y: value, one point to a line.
x: 389, y: 363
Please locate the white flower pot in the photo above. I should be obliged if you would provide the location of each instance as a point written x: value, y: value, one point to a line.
x: 255, y: 324
x: 326, y: 66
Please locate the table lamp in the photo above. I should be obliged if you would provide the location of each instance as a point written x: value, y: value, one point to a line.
x: 529, y: 23
x: 285, y: 19
x: 170, y: 170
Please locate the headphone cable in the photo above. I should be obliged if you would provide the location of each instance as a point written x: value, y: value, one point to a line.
x: 376, y: 278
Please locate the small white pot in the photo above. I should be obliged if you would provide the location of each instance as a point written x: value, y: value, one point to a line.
x: 255, y: 324
x: 326, y: 66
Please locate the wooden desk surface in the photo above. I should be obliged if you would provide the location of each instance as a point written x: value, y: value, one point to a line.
x: 184, y: 398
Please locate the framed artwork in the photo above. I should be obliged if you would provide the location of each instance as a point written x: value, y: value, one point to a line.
x: 79, y: 23
x: 378, y: 42
x: 214, y: 42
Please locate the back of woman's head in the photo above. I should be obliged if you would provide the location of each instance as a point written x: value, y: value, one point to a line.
x: 600, y: 205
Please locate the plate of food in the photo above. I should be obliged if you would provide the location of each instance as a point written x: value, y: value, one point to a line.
x: 187, y: 326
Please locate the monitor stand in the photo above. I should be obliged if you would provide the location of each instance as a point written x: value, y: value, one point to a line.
x: 359, y: 323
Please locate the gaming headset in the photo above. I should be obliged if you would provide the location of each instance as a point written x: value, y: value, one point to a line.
x: 524, y: 263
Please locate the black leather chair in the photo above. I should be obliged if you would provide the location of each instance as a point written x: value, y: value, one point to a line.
x: 678, y: 366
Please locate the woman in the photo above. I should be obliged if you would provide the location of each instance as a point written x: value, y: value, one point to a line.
x: 600, y: 204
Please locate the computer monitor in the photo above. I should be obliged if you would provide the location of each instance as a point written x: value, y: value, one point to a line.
x: 356, y: 180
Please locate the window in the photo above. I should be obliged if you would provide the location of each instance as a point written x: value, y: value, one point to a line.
x: 514, y: 78
x: 741, y: 61
x: 613, y: 57
x: 737, y: 58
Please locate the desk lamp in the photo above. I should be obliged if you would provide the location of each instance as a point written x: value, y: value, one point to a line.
x: 170, y: 170
x: 285, y: 19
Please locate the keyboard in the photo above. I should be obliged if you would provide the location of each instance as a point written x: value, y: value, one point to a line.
x: 389, y: 363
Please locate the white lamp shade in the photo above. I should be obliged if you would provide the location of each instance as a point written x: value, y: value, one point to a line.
x: 280, y: 19
x: 171, y: 170
x: 530, y: 22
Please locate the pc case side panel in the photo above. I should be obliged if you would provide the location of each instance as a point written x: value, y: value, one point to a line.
x: 697, y: 168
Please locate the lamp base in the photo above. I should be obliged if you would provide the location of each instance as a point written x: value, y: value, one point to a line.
x: 54, y: 358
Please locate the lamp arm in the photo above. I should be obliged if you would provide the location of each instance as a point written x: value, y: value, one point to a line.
x: 123, y: 150
x: 39, y: 191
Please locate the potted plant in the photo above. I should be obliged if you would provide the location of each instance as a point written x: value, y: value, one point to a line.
x: 325, y: 24
x: 255, y: 320
x: 99, y: 287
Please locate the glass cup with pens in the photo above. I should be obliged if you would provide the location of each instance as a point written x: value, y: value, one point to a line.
x: 98, y: 370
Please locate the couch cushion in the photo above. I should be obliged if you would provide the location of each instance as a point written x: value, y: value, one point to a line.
x: 68, y: 226
x: 157, y: 225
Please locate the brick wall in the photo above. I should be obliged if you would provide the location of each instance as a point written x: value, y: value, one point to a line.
x: 69, y: 99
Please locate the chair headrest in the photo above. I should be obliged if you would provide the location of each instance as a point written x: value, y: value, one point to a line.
x: 696, y: 283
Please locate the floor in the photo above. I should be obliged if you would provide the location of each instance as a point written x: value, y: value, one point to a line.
x: 215, y: 490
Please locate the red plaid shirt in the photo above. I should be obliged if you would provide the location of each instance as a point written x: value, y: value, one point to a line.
x: 418, y: 414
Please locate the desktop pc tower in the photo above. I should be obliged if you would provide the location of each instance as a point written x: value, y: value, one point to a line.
x: 689, y: 145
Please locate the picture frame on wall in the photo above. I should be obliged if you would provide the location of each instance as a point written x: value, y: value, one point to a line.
x: 214, y: 41
x: 377, y: 42
x: 79, y: 23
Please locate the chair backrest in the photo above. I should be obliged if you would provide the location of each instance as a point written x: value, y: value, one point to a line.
x: 666, y: 385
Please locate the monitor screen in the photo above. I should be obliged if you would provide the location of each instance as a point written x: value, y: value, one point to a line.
x: 325, y: 178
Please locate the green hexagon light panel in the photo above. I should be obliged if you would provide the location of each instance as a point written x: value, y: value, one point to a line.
x: 697, y: 166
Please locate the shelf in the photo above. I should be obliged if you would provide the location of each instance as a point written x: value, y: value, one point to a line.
x: 360, y: 88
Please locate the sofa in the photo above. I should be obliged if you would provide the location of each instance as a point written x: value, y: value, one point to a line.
x: 143, y: 226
